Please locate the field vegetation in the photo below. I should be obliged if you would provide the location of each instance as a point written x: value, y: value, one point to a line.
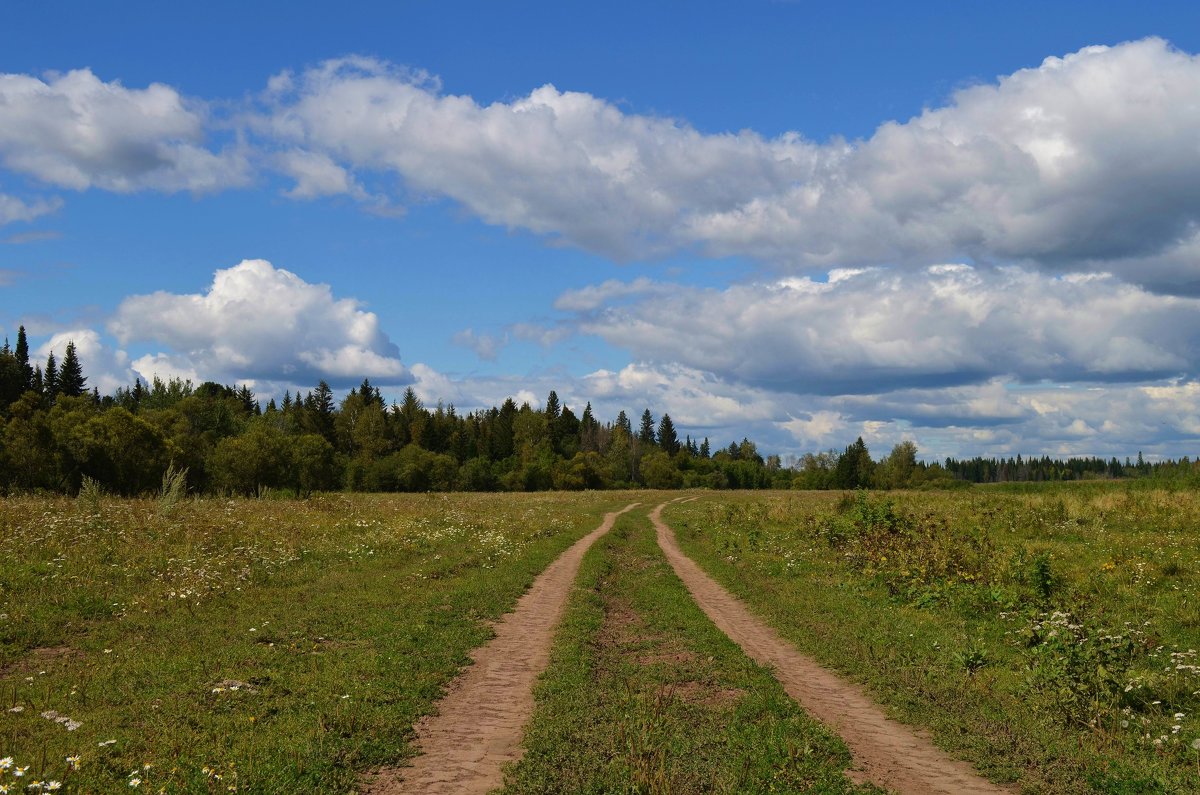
x: 1048, y: 634
x: 645, y: 695
x: 214, y: 645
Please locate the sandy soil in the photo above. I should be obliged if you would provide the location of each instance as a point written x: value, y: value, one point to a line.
x: 478, y: 725
x: 886, y: 752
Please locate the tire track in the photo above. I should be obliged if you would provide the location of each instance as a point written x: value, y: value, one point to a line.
x: 886, y: 752
x: 479, y: 722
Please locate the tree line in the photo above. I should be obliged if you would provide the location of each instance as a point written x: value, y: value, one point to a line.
x: 55, y: 433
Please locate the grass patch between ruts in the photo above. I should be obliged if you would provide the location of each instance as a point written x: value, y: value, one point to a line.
x: 645, y: 695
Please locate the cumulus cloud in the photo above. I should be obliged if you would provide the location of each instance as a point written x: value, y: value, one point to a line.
x: 554, y: 162
x: 1086, y: 158
x: 315, y: 175
x: 76, y: 131
x: 105, y: 367
x: 875, y: 331
x: 257, y: 323
x: 1085, y: 161
x: 693, y: 398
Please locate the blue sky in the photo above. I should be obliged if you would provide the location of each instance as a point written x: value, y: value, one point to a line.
x: 971, y: 226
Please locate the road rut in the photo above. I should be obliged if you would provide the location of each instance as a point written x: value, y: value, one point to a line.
x: 886, y: 753
x: 479, y: 723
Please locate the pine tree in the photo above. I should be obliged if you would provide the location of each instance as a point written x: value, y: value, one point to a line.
x: 668, y: 439
x: 248, y: 402
x: 705, y: 450
x: 553, y: 407
x: 50, y: 377
x: 624, y: 424
x: 646, y: 432
x: 588, y: 430
x: 22, y: 354
x: 854, y: 467
x: 71, y: 381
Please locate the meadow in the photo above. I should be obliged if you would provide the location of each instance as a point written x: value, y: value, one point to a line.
x: 211, y: 645
x: 1046, y: 634
x: 1049, y: 635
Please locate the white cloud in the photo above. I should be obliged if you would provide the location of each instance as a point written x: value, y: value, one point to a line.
x: 13, y: 209
x: 259, y: 323
x: 76, y: 131
x: 105, y: 368
x: 876, y: 331
x: 1086, y: 158
x: 693, y: 398
x: 315, y: 175
x: 559, y: 163
x: 819, y: 429
x: 486, y: 346
x: 1086, y: 161
x: 586, y: 299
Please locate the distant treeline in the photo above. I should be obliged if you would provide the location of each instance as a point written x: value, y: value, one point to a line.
x: 854, y: 468
x: 56, y: 435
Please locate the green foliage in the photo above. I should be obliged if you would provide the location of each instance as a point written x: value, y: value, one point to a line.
x: 1048, y: 635
x: 291, y: 645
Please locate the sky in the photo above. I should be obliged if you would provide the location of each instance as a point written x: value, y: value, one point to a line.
x: 972, y: 226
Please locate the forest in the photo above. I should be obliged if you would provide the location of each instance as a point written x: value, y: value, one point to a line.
x: 58, y: 435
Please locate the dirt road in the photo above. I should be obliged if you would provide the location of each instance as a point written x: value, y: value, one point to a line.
x: 479, y: 723
x: 886, y: 752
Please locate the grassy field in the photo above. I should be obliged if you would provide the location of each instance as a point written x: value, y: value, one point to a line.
x: 645, y: 695
x: 248, y: 645
x: 1049, y: 635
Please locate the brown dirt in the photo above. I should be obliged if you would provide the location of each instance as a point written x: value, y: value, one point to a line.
x: 886, y: 753
x: 479, y: 722
x: 36, y: 659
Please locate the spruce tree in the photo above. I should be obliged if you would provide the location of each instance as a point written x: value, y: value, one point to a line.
x: 624, y: 424
x: 646, y: 432
x: 705, y: 450
x: 50, y: 377
x: 668, y: 439
x: 22, y: 354
x: 553, y: 407
x: 71, y: 381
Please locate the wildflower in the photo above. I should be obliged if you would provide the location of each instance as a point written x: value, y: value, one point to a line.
x: 20, y: 771
x: 17, y: 708
x: 73, y: 762
x: 52, y: 786
x: 106, y: 742
x: 135, y: 782
x: 6, y: 763
x: 3, y: 789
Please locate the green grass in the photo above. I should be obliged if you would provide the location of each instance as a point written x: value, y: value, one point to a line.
x: 1048, y: 636
x: 282, y: 646
x: 645, y: 695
